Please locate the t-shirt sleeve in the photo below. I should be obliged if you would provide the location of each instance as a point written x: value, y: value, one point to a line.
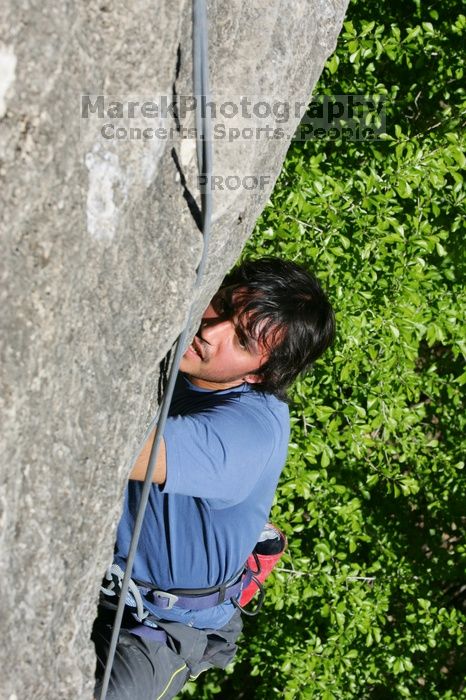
x: 219, y: 453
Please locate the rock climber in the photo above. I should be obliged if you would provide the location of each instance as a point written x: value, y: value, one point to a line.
x: 223, y: 449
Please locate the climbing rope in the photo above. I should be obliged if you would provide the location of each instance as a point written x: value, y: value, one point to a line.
x: 204, y: 163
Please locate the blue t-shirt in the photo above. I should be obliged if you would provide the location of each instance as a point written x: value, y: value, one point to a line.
x: 225, y: 451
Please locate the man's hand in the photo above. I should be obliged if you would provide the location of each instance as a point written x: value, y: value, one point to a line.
x: 139, y: 469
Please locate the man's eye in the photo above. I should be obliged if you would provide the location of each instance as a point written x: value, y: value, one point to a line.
x: 221, y: 306
x: 242, y: 341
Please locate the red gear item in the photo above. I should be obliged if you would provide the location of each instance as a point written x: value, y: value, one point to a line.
x: 267, y: 552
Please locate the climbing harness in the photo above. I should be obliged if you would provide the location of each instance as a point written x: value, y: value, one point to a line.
x: 187, y: 599
x: 240, y: 589
x: 204, y: 158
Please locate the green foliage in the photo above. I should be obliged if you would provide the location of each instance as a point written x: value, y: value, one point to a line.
x: 373, y: 496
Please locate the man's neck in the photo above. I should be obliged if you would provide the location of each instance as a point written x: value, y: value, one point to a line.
x: 214, y: 386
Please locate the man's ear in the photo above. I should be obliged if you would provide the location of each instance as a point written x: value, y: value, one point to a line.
x: 252, y: 379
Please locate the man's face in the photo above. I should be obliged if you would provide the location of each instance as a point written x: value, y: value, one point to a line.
x: 222, y: 354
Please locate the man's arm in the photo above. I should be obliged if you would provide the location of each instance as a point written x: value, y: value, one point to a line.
x: 139, y: 469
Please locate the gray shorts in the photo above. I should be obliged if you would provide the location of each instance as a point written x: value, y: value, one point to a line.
x: 144, y: 669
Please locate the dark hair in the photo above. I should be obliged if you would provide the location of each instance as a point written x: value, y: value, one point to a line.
x: 282, y: 305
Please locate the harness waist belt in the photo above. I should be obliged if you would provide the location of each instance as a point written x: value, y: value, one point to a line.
x: 166, y: 600
x: 188, y: 599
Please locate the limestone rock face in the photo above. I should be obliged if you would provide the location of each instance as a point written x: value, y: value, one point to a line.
x: 99, y: 250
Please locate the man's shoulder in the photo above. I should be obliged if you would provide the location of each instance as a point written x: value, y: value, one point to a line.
x: 189, y: 399
x: 253, y: 416
x: 267, y: 402
x: 241, y: 411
